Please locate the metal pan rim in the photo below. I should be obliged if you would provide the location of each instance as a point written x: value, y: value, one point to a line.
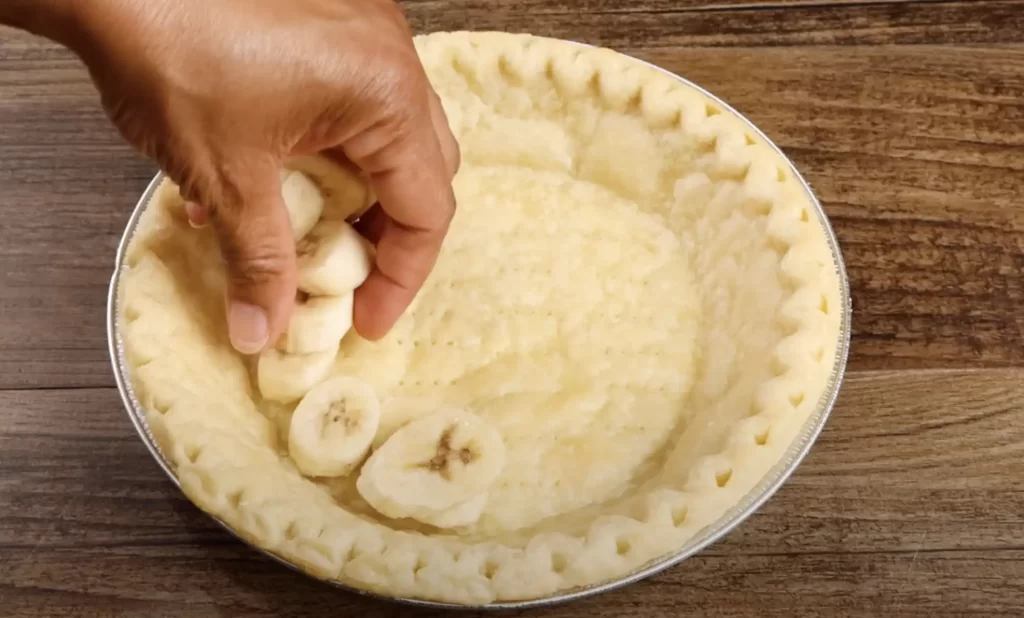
x: 752, y: 501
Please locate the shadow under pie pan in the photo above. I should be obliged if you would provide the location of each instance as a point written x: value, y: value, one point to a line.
x: 802, y: 437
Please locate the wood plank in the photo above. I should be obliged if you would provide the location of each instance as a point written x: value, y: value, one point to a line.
x: 898, y: 443
x: 672, y: 25
x: 909, y: 461
x: 916, y: 156
x: 929, y: 214
x: 719, y: 23
x: 911, y: 502
x: 67, y: 187
x: 220, y: 583
x: 542, y: 7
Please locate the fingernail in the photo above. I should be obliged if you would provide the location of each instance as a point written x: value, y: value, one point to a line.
x: 196, y: 215
x: 247, y: 327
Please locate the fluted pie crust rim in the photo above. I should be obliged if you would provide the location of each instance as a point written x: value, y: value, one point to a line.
x: 274, y: 508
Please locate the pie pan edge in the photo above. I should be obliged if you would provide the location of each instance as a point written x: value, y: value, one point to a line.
x: 769, y: 483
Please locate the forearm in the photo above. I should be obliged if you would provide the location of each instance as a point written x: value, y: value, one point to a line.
x: 52, y: 19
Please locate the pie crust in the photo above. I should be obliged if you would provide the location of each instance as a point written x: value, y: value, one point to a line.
x: 636, y: 290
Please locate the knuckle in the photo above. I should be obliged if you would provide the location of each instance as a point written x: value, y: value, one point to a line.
x: 405, y: 78
x: 440, y: 220
x: 253, y: 257
x: 256, y: 272
x: 450, y: 215
x: 255, y: 267
x: 453, y: 155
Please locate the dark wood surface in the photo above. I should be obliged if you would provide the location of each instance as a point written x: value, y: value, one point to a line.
x: 908, y: 120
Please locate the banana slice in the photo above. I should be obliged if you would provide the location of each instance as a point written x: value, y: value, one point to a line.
x: 433, y: 465
x: 334, y: 259
x: 346, y: 194
x: 398, y: 411
x: 465, y: 514
x: 318, y: 323
x: 333, y: 426
x: 303, y: 200
x: 287, y: 377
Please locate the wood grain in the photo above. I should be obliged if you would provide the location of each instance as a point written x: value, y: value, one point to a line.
x: 916, y: 155
x: 540, y: 7
x: 914, y: 150
x: 910, y: 503
x: 216, y: 582
x: 672, y: 25
x: 67, y: 187
x: 907, y: 117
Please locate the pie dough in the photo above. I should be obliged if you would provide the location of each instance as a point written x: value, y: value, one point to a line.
x: 636, y: 292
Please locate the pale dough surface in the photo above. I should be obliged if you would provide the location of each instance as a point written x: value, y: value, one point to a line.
x: 566, y: 318
x: 635, y: 291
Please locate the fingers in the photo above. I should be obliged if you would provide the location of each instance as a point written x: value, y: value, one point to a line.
x: 449, y: 146
x: 259, y: 253
x: 196, y: 214
x: 371, y: 223
x: 412, y: 181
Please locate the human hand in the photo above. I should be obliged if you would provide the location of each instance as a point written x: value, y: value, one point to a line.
x: 220, y: 93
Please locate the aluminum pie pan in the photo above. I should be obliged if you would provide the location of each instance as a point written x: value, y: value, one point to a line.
x: 751, y: 502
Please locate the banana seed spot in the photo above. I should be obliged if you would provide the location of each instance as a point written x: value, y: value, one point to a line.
x: 338, y: 412
x: 441, y: 462
x: 306, y: 246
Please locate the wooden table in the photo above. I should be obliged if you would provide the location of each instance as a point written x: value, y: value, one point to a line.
x: 908, y: 119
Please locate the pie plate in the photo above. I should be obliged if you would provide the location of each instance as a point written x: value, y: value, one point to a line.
x: 751, y: 500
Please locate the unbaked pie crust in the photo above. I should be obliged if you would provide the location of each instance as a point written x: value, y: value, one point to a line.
x: 636, y: 291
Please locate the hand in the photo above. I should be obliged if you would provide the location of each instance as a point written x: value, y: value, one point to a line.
x: 220, y: 93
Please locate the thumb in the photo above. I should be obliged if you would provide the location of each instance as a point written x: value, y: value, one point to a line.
x: 255, y: 239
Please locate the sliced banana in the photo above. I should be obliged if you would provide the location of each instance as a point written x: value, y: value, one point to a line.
x: 457, y: 516
x: 399, y: 411
x: 333, y: 426
x: 346, y: 193
x: 303, y: 200
x: 287, y: 377
x: 317, y: 324
x: 465, y: 514
x: 334, y: 259
x: 433, y: 465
